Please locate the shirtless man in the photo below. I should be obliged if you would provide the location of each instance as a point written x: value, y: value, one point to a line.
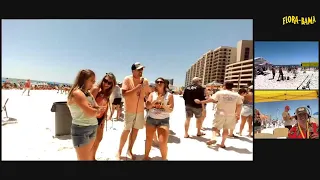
x: 288, y: 120
x: 134, y: 89
x: 247, y: 111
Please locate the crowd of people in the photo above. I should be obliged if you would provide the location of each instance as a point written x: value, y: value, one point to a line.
x: 28, y: 86
x: 89, y: 104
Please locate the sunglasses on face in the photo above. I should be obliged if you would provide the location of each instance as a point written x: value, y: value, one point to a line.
x: 140, y: 69
x: 159, y: 82
x: 108, y: 82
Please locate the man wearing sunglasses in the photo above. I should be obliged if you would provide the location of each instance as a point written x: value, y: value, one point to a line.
x: 134, y: 89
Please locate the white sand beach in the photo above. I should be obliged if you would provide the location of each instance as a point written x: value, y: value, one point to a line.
x: 32, y: 138
x: 266, y: 82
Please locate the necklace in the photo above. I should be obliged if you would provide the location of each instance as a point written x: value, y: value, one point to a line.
x: 302, y: 134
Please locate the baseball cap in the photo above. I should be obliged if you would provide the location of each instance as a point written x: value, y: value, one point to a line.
x: 195, y: 79
x: 136, y: 66
x: 301, y: 110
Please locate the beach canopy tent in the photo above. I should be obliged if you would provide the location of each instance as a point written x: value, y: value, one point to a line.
x: 274, y: 96
x: 214, y: 83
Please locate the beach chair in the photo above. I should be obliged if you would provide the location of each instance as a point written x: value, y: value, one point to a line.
x: 4, y: 108
x: 281, y: 132
x: 264, y: 136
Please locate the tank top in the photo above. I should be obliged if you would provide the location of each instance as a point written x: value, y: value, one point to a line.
x: 27, y: 85
x: 159, y: 113
x: 101, y: 101
x: 78, y: 116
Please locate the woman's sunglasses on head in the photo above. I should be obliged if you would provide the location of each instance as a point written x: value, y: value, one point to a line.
x: 108, y: 82
x: 159, y: 82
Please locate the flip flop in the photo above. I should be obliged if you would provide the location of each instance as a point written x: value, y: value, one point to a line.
x: 223, y: 147
x: 187, y: 136
x: 211, y: 142
x: 202, y: 134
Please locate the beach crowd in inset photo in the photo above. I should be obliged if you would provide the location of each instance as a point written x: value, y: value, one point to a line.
x: 286, y: 114
x: 286, y: 65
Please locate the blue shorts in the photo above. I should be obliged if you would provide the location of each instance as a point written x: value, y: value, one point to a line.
x: 82, y: 135
x: 157, y: 122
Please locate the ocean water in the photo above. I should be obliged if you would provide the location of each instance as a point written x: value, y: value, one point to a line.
x: 14, y: 80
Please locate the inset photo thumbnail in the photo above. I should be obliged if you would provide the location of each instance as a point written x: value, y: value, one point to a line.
x: 286, y: 65
x: 287, y: 114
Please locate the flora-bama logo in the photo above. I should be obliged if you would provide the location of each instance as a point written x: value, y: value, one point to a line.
x: 304, y: 21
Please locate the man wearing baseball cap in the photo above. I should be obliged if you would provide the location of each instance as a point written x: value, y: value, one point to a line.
x: 134, y: 89
x: 303, y: 129
x: 288, y: 120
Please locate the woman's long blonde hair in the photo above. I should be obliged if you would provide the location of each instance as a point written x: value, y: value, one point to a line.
x: 80, y: 81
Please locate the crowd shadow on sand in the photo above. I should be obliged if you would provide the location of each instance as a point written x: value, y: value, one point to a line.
x: 139, y: 158
x: 173, y: 138
x: 244, y: 139
x: 231, y: 148
x: 199, y: 138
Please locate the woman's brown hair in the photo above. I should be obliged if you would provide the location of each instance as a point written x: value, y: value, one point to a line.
x: 108, y: 91
x: 166, y: 85
x: 80, y: 81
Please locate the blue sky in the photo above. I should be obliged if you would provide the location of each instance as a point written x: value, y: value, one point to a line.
x: 270, y: 108
x: 287, y: 52
x: 55, y: 50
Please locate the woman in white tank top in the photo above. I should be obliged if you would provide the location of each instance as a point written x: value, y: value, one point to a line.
x: 160, y: 104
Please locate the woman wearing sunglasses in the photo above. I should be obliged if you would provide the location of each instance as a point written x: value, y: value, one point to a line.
x: 102, y: 93
x: 160, y: 104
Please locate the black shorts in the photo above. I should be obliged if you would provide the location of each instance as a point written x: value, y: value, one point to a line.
x: 116, y: 101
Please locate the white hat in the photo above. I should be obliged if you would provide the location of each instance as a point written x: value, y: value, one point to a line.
x: 195, y: 79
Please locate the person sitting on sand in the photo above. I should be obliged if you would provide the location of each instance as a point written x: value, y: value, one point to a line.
x: 303, y: 129
x: 160, y: 104
x: 102, y: 93
x: 84, y: 110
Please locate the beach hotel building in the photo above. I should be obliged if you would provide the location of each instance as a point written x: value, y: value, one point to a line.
x: 241, y: 72
x: 211, y: 66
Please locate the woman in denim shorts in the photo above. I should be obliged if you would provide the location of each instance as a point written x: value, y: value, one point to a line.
x: 83, y: 110
x: 160, y: 104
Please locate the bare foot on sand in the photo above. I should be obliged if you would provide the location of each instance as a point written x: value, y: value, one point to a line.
x: 118, y: 157
x: 146, y: 159
x: 131, y: 156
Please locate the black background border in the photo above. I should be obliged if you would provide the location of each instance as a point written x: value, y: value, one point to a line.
x: 267, y: 26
